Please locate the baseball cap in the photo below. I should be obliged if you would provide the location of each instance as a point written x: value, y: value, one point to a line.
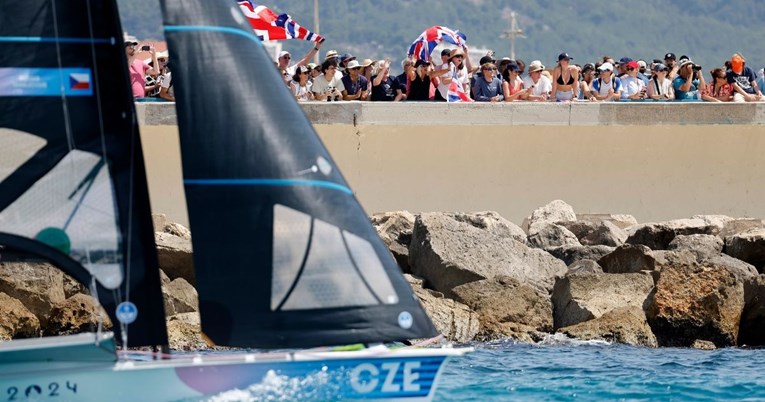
x: 563, y: 56
x: 670, y: 56
x: 624, y: 60
x: 606, y: 66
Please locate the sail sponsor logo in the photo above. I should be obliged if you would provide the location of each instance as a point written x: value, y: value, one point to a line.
x: 18, y: 81
x: 387, y: 378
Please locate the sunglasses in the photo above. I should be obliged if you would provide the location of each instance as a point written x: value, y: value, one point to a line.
x: 490, y: 69
x: 162, y: 60
x: 457, y: 57
x: 630, y: 69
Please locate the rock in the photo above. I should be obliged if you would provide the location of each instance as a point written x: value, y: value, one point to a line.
x: 493, y: 223
x: 742, y: 270
x: 184, y: 332
x: 164, y: 280
x: 395, y: 230
x: 503, y: 299
x: 624, y: 325
x: 452, y: 319
x: 448, y: 253
x: 748, y: 246
x: 740, y: 225
x: 696, y: 302
x: 664, y: 258
x: 72, y: 287
x: 16, y: 321
x: 180, y: 297
x: 604, y: 233
x: 38, y: 286
x: 584, y: 266
x: 572, y: 254
x: 175, y: 256
x: 582, y: 297
x: 176, y: 229
x: 702, y: 246
x: 657, y: 236
x: 703, y: 345
x: 753, y: 318
x: 555, y: 211
x: 546, y: 235
x: 75, y: 315
x: 716, y: 222
x: 159, y: 221
x: 621, y: 221
x: 498, y: 330
x: 628, y: 258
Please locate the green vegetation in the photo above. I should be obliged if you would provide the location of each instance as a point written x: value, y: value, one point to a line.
x: 707, y: 30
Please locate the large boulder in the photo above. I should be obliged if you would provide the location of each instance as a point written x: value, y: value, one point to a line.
x: 753, y: 318
x: 622, y: 221
x: 493, y: 223
x: 546, y: 235
x: 582, y: 297
x: 77, y: 314
x: 39, y: 286
x: 604, y: 233
x: 555, y: 211
x: 635, y: 258
x: 16, y: 321
x: 452, y: 319
x: 176, y: 257
x: 448, y: 253
x: 180, y: 297
x: 572, y: 254
x: 584, y: 266
x: 657, y: 236
x: 395, y: 230
x: 184, y: 332
x: 701, y: 245
x: 503, y: 299
x: 748, y: 246
x: 623, y: 325
x: 696, y: 302
x: 740, y: 225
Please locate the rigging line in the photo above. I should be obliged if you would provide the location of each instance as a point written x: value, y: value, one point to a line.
x: 302, y: 267
x: 90, y: 178
x: 64, y: 103
x: 358, y: 271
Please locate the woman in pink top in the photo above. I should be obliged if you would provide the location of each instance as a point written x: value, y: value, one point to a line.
x: 512, y: 84
x: 139, y: 68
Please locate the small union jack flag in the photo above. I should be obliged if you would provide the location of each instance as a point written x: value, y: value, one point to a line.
x: 427, y: 41
x: 269, y: 26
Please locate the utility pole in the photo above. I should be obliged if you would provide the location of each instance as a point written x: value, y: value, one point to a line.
x: 316, y: 26
x: 513, y: 33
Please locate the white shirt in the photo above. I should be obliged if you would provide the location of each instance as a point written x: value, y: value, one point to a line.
x: 631, y: 86
x: 543, y: 86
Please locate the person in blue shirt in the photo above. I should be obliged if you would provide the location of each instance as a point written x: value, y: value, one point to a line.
x: 688, y: 81
x: 488, y: 88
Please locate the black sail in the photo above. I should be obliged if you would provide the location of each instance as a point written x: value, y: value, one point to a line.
x: 284, y: 254
x: 72, y: 183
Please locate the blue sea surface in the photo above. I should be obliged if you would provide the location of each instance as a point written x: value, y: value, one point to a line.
x: 598, y: 371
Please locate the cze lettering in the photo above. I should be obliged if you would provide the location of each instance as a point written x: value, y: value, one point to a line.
x: 52, y: 390
x: 366, y: 377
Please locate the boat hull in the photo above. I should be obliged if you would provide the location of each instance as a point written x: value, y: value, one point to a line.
x: 370, y: 374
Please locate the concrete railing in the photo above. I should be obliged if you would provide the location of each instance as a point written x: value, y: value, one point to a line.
x: 653, y: 160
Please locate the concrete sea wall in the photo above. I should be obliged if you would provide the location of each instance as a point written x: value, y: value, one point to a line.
x: 655, y: 161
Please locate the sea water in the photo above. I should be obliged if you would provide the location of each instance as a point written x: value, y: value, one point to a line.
x: 560, y: 369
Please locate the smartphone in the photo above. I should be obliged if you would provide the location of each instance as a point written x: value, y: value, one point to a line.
x: 145, y: 48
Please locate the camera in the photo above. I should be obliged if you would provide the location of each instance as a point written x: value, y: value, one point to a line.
x: 145, y: 48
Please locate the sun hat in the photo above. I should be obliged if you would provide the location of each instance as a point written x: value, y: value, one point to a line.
x: 353, y: 64
x: 163, y: 55
x: 536, y: 65
x: 367, y: 62
x: 456, y: 52
x: 330, y: 54
x: 686, y: 62
x: 606, y: 67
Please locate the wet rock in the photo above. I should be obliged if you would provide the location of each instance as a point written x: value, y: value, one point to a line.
x: 584, y: 266
x: 657, y: 236
x: 623, y: 325
x: 753, y: 318
x: 703, y: 345
x: 395, y: 230
x: 748, y: 246
x: 448, y: 253
x: 452, y: 319
x: 75, y: 315
x: 175, y: 256
x: 16, y: 321
x: 38, y: 286
x: 582, y: 297
x: 180, y: 297
x: 546, y: 235
x: 696, y: 302
x: 503, y: 299
x: 572, y: 254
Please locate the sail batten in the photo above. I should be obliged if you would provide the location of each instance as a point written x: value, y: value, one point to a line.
x: 284, y: 254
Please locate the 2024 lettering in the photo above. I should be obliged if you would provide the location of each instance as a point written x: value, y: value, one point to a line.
x: 52, y: 390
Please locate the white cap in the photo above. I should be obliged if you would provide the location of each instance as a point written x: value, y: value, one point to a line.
x: 606, y: 66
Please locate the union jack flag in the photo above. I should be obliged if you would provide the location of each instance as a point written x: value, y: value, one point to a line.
x: 456, y: 92
x: 423, y: 46
x: 269, y: 26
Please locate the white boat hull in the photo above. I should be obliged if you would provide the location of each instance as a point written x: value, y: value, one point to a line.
x: 408, y: 374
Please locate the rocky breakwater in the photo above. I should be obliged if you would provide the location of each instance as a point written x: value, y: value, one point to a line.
x: 694, y: 282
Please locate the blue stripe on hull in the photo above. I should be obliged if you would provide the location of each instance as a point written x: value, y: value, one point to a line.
x: 267, y: 182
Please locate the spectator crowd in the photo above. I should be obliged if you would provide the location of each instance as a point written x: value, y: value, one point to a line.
x: 342, y: 77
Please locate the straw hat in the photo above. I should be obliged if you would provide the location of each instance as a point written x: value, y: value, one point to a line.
x: 456, y: 52
x: 536, y: 65
x: 368, y: 62
x: 330, y: 54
